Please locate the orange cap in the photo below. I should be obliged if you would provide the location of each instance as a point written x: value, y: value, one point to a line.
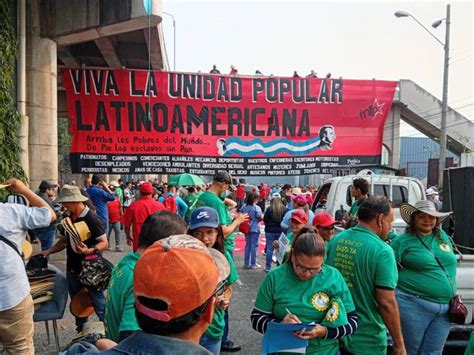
x: 182, y: 278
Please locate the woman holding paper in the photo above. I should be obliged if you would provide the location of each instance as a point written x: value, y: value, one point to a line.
x: 272, y: 219
x: 304, y: 290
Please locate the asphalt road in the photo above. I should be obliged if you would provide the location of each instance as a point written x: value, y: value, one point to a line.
x: 241, y: 331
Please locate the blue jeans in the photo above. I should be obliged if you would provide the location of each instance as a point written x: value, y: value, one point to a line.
x: 114, y: 227
x: 211, y: 344
x: 251, y: 245
x: 97, y: 297
x: 270, y: 237
x: 425, y: 324
x: 46, y: 239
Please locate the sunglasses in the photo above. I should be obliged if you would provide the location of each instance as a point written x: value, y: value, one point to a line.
x: 218, y: 292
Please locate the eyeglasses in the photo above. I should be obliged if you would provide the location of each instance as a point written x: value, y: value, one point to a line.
x: 201, y: 235
x: 304, y: 269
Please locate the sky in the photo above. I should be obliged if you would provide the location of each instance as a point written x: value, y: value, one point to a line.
x: 352, y: 39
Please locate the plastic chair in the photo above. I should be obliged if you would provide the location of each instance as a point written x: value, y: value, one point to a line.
x: 54, y: 309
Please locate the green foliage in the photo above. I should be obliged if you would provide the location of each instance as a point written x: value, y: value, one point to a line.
x: 64, y: 145
x: 10, y: 120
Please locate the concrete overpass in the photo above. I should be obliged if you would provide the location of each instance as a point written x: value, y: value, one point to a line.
x: 53, y: 34
x: 422, y: 110
x: 120, y: 34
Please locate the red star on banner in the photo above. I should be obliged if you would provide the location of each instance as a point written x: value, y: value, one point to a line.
x: 378, y: 107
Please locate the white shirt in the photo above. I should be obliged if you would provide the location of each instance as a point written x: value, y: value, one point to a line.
x: 15, y: 220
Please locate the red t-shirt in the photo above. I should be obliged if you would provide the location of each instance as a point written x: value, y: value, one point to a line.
x: 240, y: 192
x: 114, y: 210
x: 136, y: 214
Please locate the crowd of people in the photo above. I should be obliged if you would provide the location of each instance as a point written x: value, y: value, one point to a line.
x: 234, y: 71
x: 351, y: 287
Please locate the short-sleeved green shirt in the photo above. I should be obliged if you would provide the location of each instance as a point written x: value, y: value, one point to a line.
x: 309, y: 299
x: 216, y: 328
x: 366, y: 262
x: 120, y: 301
x: 355, y: 207
x: 421, y: 275
x: 210, y: 199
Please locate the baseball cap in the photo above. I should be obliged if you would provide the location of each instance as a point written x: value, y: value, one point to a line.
x: 146, y: 188
x: 202, y: 272
x: 44, y: 185
x: 324, y: 219
x: 431, y: 191
x: 300, y: 216
x: 204, y: 217
x: 300, y: 200
x: 223, y: 176
x: 276, y: 195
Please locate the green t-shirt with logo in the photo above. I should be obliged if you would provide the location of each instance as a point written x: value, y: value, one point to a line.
x: 365, y: 261
x: 309, y: 300
x: 120, y: 300
x: 216, y: 328
x: 210, y: 199
x: 420, y: 274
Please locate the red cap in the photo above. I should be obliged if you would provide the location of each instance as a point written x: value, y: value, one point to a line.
x: 300, y: 216
x: 146, y: 188
x: 324, y: 219
x: 300, y: 200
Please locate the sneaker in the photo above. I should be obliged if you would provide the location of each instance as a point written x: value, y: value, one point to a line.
x: 257, y: 266
x: 267, y: 270
x: 118, y: 249
x: 230, y: 347
x: 109, y: 249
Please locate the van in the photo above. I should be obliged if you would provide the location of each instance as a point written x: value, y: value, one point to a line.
x: 334, y: 196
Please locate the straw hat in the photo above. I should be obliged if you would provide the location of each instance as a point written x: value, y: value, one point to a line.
x: 81, y: 304
x: 425, y: 206
x: 296, y: 191
x: 27, y: 249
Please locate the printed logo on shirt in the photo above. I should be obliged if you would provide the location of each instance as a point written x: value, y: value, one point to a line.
x: 333, y: 312
x: 445, y: 247
x: 320, y: 301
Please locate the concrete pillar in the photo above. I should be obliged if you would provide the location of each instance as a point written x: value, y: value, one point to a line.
x: 41, y: 100
x: 391, y: 136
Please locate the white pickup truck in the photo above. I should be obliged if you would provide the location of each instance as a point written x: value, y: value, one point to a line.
x: 334, y: 197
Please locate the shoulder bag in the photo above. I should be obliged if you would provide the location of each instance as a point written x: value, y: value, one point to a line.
x: 10, y: 243
x: 96, y: 271
x: 457, y: 309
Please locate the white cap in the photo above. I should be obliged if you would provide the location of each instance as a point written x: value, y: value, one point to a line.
x: 431, y: 191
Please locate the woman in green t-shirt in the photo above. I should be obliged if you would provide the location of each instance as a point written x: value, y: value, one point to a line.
x: 204, y: 225
x: 426, y: 280
x: 303, y: 290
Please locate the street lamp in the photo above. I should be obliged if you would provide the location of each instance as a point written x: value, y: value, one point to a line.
x: 444, y: 107
x: 174, y: 38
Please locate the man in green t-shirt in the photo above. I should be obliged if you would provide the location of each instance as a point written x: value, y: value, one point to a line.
x: 212, y: 198
x: 359, y: 190
x: 368, y: 265
x: 120, y: 320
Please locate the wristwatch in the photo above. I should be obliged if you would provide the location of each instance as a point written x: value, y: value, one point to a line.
x: 96, y: 250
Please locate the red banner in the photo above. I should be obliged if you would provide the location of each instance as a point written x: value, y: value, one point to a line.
x: 132, y: 122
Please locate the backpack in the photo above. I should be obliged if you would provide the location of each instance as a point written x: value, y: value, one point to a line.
x: 170, y: 203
